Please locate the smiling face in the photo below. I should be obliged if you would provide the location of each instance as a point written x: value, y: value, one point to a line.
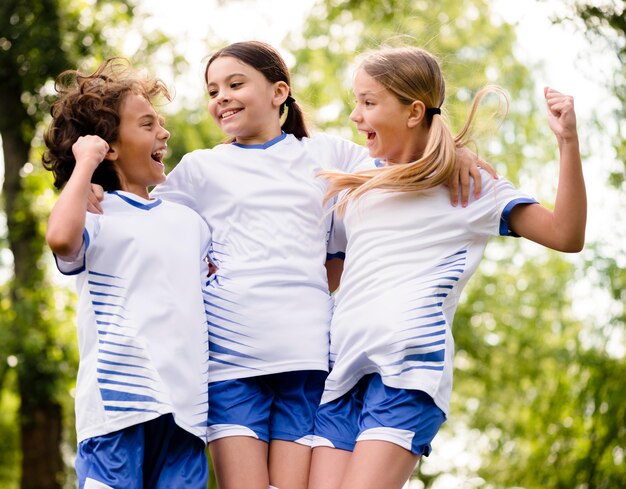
x: 243, y: 103
x: 140, y: 147
x: 389, y: 125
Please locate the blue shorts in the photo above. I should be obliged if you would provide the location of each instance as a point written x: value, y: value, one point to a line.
x: 155, y: 454
x: 373, y: 411
x: 278, y: 406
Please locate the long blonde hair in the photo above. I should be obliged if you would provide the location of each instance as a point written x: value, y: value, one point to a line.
x: 410, y: 74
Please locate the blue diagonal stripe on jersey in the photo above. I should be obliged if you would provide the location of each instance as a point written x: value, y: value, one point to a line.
x: 100, y: 274
x: 124, y: 374
x: 417, y: 367
x: 217, y: 316
x: 108, y: 362
x: 101, y: 284
x: 128, y: 355
x: 215, y: 348
x: 113, y: 395
x: 422, y: 326
x: 425, y: 345
x: 224, y: 362
x: 96, y: 303
x: 104, y: 294
x: 213, y: 304
x: 129, y: 409
x: 102, y: 313
x: 211, y: 333
x: 431, y: 357
x: 436, y: 333
x: 126, y: 384
x: 104, y: 342
x: 106, y: 333
x: 433, y: 315
x: 219, y: 297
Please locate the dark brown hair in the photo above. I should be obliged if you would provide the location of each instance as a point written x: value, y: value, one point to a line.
x: 90, y: 105
x: 264, y: 58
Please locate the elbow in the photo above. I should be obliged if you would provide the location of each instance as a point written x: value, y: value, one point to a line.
x: 62, y: 245
x: 573, y: 245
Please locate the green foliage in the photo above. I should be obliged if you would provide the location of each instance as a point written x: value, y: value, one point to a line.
x: 604, y: 23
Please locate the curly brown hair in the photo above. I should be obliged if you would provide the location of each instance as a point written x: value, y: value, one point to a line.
x: 90, y: 105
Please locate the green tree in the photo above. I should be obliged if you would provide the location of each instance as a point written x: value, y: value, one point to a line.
x: 38, y: 40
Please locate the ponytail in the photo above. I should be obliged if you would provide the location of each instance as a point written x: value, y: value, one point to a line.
x: 294, y: 121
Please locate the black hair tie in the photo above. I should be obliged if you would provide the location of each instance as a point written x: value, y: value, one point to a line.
x: 431, y: 111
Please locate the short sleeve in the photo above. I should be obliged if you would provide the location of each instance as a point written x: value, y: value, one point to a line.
x: 490, y: 214
x: 73, y: 265
x: 182, y: 184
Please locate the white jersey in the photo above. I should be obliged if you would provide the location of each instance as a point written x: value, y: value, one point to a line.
x: 142, y: 327
x: 269, y: 307
x: 408, y: 257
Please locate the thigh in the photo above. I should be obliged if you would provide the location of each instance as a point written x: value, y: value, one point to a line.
x: 289, y: 464
x: 113, y: 460
x: 328, y: 467
x: 377, y: 464
x: 240, y: 461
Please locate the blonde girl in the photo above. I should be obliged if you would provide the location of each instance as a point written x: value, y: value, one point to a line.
x: 408, y: 257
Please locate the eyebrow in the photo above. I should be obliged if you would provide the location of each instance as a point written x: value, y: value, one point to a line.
x: 229, y: 77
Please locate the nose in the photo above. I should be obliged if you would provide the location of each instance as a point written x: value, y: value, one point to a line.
x: 165, y: 134
x: 222, y: 96
x: 355, y: 115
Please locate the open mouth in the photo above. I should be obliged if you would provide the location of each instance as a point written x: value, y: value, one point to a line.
x: 371, y: 135
x: 229, y: 113
x: 158, y: 156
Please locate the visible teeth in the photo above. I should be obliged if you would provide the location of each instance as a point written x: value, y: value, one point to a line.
x: 229, y: 113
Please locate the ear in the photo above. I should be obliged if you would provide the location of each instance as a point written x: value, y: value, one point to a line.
x: 112, y: 154
x: 281, y: 92
x: 417, y: 112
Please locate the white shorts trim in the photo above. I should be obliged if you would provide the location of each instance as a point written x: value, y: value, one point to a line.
x: 320, y: 441
x: 403, y: 438
x: 217, y: 431
x: 94, y: 484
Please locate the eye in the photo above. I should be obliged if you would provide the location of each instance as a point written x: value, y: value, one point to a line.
x: 236, y: 84
x: 368, y: 103
x: 212, y: 93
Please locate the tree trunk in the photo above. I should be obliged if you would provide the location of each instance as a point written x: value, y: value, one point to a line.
x: 40, y: 414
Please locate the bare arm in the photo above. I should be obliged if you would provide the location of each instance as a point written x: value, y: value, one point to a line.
x: 564, y: 228
x: 334, y: 269
x: 67, y: 219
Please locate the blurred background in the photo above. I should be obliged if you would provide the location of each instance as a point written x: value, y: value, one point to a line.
x: 539, y: 398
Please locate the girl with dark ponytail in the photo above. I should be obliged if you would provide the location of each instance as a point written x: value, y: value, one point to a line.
x: 268, y: 304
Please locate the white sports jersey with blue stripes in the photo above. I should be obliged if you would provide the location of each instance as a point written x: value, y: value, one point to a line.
x: 408, y: 258
x: 142, y: 327
x: 269, y: 307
